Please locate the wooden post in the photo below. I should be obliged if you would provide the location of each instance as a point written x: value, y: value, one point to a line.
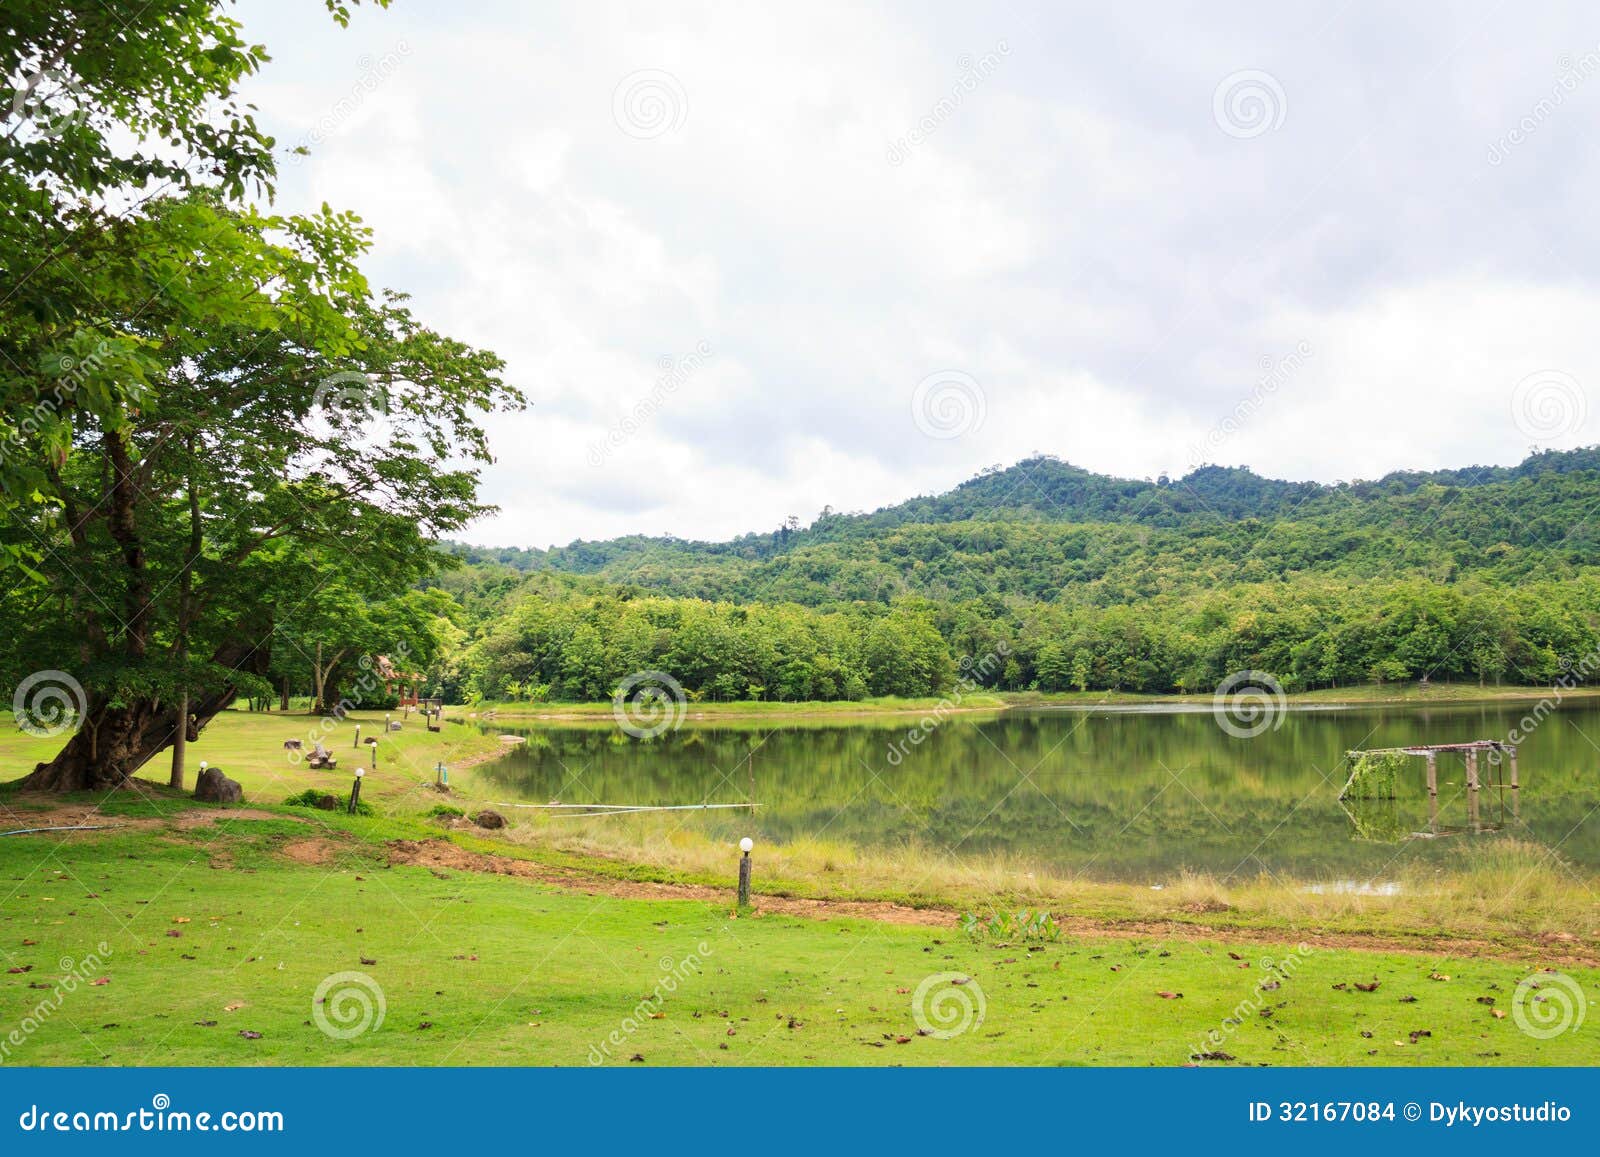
x: 355, y: 792
x: 357, y: 742
x: 1472, y: 789
x: 1433, y: 791
x: 1514, y: 784
x: 744, y: 871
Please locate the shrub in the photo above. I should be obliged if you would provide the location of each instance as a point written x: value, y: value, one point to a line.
x: 327, y: 801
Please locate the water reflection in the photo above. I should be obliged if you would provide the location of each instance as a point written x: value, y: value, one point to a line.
x: 1114, y: 795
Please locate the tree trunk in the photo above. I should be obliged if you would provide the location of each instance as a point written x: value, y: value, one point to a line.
x: 180, y: 743
x: 180, y: 739
x: 115, y: 742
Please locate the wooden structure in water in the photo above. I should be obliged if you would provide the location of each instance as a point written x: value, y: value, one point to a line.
x: 1500, y: 764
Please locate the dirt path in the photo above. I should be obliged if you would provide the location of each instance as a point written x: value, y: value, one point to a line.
x: 29, y: 811
x: 442, y: 854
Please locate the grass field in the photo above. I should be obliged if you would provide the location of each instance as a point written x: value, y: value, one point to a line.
x: 204, y: 928
x: 211, y: 933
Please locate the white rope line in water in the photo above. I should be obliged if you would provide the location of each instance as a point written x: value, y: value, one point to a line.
x: 611, y: 809
x: 73, y: 828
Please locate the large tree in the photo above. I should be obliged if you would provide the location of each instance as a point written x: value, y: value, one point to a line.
x: 105, y: 105
x: 258, y: 411
x: 195, y: 398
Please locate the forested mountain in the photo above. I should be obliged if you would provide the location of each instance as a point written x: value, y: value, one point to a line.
x: 1066, y: 579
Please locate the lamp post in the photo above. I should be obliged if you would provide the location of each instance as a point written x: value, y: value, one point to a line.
x: 355, y: 791
x: 744, y: 871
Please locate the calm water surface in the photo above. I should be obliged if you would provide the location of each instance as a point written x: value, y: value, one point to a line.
x: 1112, y: 795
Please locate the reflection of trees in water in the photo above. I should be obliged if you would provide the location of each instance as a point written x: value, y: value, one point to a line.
x: 1126, y: 795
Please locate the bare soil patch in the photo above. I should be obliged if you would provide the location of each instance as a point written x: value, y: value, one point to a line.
x: 318, y: 851
x: 439, y: 854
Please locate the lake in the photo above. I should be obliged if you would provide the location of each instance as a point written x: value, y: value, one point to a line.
x: 1133, y: 795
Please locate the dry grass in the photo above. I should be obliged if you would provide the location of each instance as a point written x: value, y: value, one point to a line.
x: 1508, y: 890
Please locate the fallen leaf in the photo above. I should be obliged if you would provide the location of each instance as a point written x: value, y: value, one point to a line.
x: 249, y: 1034
x: 180, y: 919
x: 102, y: 980
x: 234, y: 1007
x: 368, y: 960
x: 1373, y: 987
x: 21, y: 968
x: 1437, y: 976
x: 1499, y: 1013
x: 206, y: 1023
x: 1170, y: 995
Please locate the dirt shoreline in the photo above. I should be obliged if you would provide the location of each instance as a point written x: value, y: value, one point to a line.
x: 1153, y: 705
x: 443, y: 855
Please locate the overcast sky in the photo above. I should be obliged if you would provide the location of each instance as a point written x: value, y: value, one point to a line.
x: 750, y: 260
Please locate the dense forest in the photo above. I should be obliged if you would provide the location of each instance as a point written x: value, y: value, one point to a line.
x: 1044, y: 576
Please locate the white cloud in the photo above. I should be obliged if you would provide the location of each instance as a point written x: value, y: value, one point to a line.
x: 1076, y: 234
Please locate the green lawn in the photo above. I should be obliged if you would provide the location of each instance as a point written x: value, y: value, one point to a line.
x: 482, y: 969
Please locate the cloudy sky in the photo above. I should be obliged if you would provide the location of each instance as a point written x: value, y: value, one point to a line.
x: 751, y: 260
